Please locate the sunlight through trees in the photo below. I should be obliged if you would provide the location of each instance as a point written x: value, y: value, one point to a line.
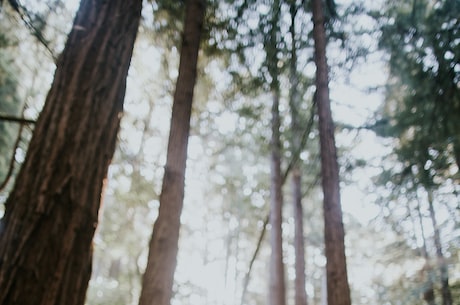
x: 314, y: 159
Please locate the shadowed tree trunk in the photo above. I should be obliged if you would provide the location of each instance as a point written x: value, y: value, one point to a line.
x: 51, y: 214
x: 338, y: 291
x: 159, y: 274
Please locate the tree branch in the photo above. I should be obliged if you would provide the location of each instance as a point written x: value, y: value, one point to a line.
x: 296, y: 155
x: 253, y: 259
x: 28, y: 21
x: 14, y: 119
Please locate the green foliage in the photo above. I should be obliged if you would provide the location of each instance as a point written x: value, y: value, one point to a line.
x: 423, y: 96
x: 422, y: 115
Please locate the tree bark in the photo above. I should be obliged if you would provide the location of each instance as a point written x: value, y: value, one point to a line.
x: 52, y: 212
x: 159, y: 275
x: 338, y: 291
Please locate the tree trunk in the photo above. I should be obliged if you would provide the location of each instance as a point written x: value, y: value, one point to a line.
x: 159, y: 274
x: 277, y: 290
x: 338, y: 291
x: 299, y: 245
x: 446, y: 295
x: 52, y: 211
x: 428, y: 290
x: 300, y: 295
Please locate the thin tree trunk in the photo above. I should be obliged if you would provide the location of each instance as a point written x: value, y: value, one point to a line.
x: 446, y: 295
x: 277, y: 286
x: 300, y: 295
x: 159, y: 275
x: 338, y: 290
x: 277, y: 290
x: 428, y: 293
x: 253, y: 259
x: 299, y: 244
x: 228, y: 254
x: 52, y: 212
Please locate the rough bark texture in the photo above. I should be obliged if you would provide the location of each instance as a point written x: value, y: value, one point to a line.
x: 159, y: 274
x: 277, y: 290
x: 338, y: 291
x: 52, y: 212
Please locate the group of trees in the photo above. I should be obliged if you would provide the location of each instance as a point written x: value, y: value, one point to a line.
x: 420, y: 112
x: 262, y: 49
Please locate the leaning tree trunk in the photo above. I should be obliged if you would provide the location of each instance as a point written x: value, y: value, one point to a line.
x: 51, y: 214
x: 338, y: 291
x: 159, y: 274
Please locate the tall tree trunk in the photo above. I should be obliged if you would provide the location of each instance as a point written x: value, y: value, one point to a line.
x: 159, y: 274
x: 277, y: 289
x: 300, y: 294
x: 338, y: 291
x: 52, y: 212
x: 446, y: 295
